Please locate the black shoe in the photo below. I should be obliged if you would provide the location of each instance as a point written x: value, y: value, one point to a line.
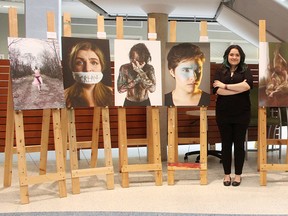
x: 227, y: 183
x: 235, y: 183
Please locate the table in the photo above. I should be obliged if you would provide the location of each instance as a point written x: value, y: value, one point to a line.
x: 211, y: 113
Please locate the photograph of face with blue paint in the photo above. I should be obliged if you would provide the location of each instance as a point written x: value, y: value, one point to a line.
x: 186, y: 66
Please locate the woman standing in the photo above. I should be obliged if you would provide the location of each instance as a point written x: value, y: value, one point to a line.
x: 232, y: 84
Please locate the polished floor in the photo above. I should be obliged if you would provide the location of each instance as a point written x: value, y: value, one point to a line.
x: 186, y: 196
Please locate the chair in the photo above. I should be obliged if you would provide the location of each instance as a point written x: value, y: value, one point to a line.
x: 284, y: 121
x: 284, y: 116
x: 212, y: 152
x: 274, y: 125
x: 281, y: 114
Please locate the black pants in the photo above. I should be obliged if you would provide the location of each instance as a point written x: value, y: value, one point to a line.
x: 233, y: 134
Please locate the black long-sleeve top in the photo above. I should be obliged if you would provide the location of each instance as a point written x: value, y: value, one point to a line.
x: 233, y: 108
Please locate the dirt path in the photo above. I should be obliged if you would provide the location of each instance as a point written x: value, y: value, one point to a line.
x: 27, y: 96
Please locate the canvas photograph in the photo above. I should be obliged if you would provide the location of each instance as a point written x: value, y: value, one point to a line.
x: 187, y: 74
x: 87, y: 72
x: 273, y: 74
x: 36, y: 74
x: 137, y: 76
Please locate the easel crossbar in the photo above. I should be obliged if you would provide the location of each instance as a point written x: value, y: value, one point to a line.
x: 92, y: 171
x: 141, y: 167
x: 188, y: 140
x: 43, y: 178
x: 275, y: 167
x: 136, y: 142
x: 277, y: 142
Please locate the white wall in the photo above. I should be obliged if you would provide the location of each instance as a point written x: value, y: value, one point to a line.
x: 219, y: 37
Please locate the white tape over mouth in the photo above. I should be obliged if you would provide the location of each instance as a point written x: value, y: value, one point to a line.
x: 87, y: 77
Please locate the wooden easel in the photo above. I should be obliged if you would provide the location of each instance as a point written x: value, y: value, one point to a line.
x: 152, y: 139
x: 108, y: 169
x: 16, y: 118
x: 262, y: 132
x: 174, y: 140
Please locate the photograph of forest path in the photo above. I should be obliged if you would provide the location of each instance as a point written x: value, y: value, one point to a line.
x: 36, y: 74
x: 33, y: 98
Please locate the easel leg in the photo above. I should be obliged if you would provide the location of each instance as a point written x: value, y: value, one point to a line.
x: 21, y: 152
x: 9, y: 138
x: 107, y: 147
x: 64, y: 126
x: 263, y: 178
x: 8, y: 152
x: 203, y: 146
x: 156, y: 144
x: 122, y: 145
x: 44, y: 141
x: 149, y: 131
x: 287, y: 147
x: 73, y: 152
x: 58, y: 143
x: 172, y: 145
x: 262, y: 145
x: 95, y: 136
x: 203, y: 177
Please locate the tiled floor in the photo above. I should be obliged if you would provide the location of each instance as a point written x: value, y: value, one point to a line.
x: 186, y: 196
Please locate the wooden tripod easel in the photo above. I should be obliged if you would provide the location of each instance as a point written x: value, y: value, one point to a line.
x: 108, y: 169
x: 174, y: 140
x: 16, y: 118
x: 152, y: 139
x: 262, y: 132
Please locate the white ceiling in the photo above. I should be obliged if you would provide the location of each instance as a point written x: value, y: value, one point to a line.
x: 180, y: 8
x: 186, y: 9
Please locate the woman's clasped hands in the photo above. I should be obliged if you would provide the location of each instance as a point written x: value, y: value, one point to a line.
x: 218, y: 84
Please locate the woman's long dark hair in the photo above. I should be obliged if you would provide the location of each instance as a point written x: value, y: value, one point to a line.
x: 242, y: 65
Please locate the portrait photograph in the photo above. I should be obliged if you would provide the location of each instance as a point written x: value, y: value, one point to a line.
x: 36, y: 73
x: 87, y: 72
x: 187, y: 74
x: 273, y: 74
x: 137, y: 76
